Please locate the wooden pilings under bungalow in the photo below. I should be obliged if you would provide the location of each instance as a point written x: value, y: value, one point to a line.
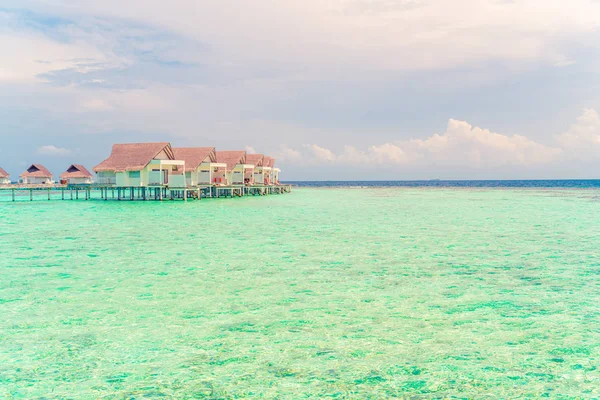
x: 144, y: 193
x: 155, y: 171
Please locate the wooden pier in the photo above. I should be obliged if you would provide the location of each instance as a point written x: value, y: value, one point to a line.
x: 131, y: 193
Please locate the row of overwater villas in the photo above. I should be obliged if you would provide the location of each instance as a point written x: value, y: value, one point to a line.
x: 159, y: 164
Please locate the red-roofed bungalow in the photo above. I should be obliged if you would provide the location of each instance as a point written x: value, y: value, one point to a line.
x: 76, y: 174
x: 200, y: 164
x: 255, y: 160
x: 141, y: 164
x: 236, y: 172
x: 4, y: 177
x: 265, y: 174
x: 37, y: 174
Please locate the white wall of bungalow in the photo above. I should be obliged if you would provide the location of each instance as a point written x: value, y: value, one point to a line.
x: 201, y: 164
x: 206, y: 173
x: 241, y: 172
x: 76, y: 175
x: 158, y: 170
x: 235, y: 172
x: 79, y: 181
x: 156, y: 173
x: 275, y: 176
x: 262, y: 175
x: 34, y: 180
x: 220, y: 176
x: 4, y: 177
x: 265, y: 174
x: 37, y: 174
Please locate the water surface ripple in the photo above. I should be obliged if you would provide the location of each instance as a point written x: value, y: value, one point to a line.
x: 347, y: 293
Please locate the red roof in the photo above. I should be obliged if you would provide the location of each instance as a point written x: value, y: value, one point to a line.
x: 231, y: 158
x: 268, y: 162
x: 194, y: 156
x: 133, y: 156
x: 76, y: 171
x: 36, y: 171
x: 255, y: 159
x: 3, y: 173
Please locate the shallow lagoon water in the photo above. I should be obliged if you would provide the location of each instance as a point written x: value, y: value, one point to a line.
x: 346, y: 293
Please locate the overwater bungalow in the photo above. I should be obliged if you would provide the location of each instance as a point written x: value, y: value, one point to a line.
x: 275, y: 176
x: 263, y: 175
x: 4, y: 177
x: 255, y: 160
x: 236, y: 169
x: 37, y: 174
x: 76, y: 174
x: 141, y: 164
x: 200, y: 164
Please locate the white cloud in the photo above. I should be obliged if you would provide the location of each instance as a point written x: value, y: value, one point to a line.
x: 321, y: 154
x: 384, y: 34
x: 582, y: 140
x: 51, y: 150
x: 460, y: 145
x: 463, y: 142
x: 250, y: 150
x: 25, y: 56
x: 96, y: 105
x: 286, y: 154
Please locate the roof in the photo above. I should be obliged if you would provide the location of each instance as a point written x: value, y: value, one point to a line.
x: 3, y: 173
x: 76, y: 171
x: 231, y: 158
x: 36, y: 171
x: 194, y: 156
x: 133, y: 156
x: 255, y: 159
x: 268, y: 162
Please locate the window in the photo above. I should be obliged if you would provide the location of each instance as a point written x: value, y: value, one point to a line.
x: 134, y: 174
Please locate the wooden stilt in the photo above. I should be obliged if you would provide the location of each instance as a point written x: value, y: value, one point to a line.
x: 30, y: 194
x: 13, y: 195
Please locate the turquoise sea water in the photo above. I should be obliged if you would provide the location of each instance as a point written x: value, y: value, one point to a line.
x: 345, y: 293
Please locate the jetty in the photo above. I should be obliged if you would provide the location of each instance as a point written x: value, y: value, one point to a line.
x: 154, y: 171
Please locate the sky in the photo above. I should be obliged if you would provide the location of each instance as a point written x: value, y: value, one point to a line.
x: 334, y: 89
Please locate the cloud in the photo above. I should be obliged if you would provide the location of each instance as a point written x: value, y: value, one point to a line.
x: 362, y: 82
x: 321, y: 154
x: 51, y: 150
x: 286, y: 154
x: 463, y: 142
x: 460, y: 145
x: 27, y: 56
x: 250, y: 150
x: 96, y: 105
x: 377, y: 34
x: 582, y: 140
